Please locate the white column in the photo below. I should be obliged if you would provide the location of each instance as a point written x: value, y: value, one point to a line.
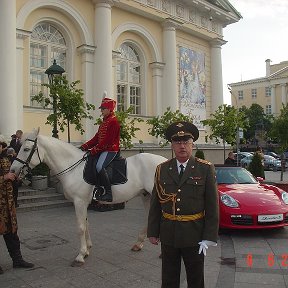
x: 273, y: 100
x: 20, y: 37
x: 170, y: 96
x: 8, y: 79
x: 157, y: 78
x: 103, y: 52
x: 87, y: 64
x: 283, y: 94
x: 216, y: 74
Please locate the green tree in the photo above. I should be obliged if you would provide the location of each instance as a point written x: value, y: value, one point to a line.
x: 224, y: 123
x: 127, y: 127
x: 280, y: 127
x: 200, y: 154
x: 160, y: 123
x: 257, y: 119
x: 256, y: 167
x: 70, y: 105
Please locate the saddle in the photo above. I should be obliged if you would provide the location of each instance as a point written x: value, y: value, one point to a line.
x: 116, y: 169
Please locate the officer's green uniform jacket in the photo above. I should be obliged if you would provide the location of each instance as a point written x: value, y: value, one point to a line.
x: 196, y: 192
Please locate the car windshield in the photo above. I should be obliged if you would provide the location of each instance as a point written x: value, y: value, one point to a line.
x: 234, y: 175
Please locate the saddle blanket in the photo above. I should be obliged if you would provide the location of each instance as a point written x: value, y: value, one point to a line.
x: 117, y: 171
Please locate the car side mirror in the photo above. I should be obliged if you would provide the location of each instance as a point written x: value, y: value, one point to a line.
x: 260, y: 179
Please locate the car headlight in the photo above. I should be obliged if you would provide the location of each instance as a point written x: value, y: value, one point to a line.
x: 284, y: 196
x: 230, y: 201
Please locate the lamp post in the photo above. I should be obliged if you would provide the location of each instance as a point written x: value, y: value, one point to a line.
x: 54, y: 69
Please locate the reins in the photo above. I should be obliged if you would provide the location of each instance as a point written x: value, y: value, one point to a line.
x: 35, y: 148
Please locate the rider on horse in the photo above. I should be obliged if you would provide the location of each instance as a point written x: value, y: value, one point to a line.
x: 105, y: 145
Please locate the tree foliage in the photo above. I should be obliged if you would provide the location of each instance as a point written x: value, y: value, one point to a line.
x: 160, y: 123
x: 127, y: 127
x: 200, y: 154
x: 256, y: 166
x: 224, y: 123
x: 257, y: 119
x: 280, y: 127
x: 70, y: 105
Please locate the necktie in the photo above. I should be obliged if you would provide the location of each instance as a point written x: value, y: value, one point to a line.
x: 181, y: 171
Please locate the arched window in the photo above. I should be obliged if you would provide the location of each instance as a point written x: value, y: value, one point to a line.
x: 129, y: 80
x: 47, y: 43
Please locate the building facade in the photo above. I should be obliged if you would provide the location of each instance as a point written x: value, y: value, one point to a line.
x: 270, y: 92
x: 148, y: 54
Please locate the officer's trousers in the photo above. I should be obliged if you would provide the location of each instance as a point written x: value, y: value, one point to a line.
x: 171, y: 266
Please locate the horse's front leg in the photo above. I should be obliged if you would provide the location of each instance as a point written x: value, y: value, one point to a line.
x: 81, y: 215
x: 87, y: 237
x: 143, y: 233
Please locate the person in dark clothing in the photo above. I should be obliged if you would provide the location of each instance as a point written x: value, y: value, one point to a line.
x: 15, y: 143
x: 230, y: 160
x: 11, y: 155
x: 8, y: 219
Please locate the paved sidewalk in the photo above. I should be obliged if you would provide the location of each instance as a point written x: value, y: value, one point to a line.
x: 49, y: 239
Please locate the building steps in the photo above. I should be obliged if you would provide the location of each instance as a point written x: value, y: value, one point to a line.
x: 31, y: 199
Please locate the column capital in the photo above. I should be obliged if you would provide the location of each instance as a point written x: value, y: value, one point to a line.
x: 171, y: 24
x: 217, y: 42
x: 108, y: 2
x: 82, y: 49
x: 22, y: 34
x: 283, y: 84
x: 116, y: 54
x: 157, y: 65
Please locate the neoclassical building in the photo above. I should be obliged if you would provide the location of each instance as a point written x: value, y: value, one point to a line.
x: 270, y: 91
x: 148, y: 54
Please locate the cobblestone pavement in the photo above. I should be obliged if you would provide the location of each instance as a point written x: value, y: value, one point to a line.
x: 248, y: 259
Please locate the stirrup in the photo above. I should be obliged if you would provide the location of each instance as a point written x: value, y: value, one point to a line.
x: 98, y: 192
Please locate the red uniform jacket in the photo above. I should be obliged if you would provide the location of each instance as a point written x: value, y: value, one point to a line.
x: 107, y: 138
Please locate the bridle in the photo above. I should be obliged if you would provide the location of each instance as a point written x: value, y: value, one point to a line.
x: 35, y: 148
x: 27, y: 161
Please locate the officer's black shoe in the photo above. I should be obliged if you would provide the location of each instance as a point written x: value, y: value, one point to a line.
x: 1, y: 270
x: 22, y: 264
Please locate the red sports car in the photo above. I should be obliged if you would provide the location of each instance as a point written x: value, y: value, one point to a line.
x: 246, y: 203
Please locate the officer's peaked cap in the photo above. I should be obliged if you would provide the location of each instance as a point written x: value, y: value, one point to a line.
x: 181, y: 130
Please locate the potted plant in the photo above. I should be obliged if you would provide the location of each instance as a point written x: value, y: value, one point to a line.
x: 40, y: 175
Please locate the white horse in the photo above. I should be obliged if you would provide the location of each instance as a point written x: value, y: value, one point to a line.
x: 59, y: 156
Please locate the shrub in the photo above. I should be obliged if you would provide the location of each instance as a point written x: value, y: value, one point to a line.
x: 200, y: 154
x: 256, y: 167
x: 40, y: 170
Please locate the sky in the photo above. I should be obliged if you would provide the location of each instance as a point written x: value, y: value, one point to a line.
x: 261, y: 34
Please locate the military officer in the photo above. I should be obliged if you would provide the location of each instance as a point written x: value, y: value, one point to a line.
x: 184, y: 209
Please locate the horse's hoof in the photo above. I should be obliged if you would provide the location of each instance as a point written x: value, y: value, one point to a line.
x: 77, y: 263
x: 137, y: 248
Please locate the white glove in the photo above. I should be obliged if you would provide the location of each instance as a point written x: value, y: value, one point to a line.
x: 204, y: 244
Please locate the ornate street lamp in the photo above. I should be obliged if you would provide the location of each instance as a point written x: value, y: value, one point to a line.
x: 54, y: 69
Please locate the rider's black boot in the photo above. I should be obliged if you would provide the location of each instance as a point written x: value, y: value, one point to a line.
x: 105, y: 181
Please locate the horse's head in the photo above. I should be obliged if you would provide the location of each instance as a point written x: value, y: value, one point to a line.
x: 28, y: 156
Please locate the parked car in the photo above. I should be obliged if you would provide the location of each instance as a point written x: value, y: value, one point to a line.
x: 245, y: 203
x: 270, y: 163
x: 242, y: 155
x: 273, y: 154
x: 244, y: 162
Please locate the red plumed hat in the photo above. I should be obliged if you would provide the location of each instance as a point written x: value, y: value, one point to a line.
x: 108, y: 103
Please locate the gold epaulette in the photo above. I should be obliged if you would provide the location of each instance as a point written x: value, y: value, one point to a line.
x: 203, y: 161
